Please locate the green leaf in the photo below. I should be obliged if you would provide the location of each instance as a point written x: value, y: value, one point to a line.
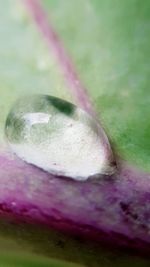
x: 26, y: 66
x: 109, y: 42
x: 10, y: 259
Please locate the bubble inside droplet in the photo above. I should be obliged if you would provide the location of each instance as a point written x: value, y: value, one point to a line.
x: 58, y: 137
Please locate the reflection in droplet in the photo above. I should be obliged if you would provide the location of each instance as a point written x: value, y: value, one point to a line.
x: 58, y: 137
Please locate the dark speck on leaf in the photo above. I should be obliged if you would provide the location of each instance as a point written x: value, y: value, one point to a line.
x: 60, y: 244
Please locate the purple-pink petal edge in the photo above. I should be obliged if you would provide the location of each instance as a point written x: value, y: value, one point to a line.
x: 116, y: 209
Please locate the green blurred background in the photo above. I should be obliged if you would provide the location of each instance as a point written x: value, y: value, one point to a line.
x: 109, y: 43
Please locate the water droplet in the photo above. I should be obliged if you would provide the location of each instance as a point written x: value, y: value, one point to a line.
x: 58, y: 137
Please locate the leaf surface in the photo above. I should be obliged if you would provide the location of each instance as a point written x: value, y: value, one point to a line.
x: 109, y: 43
